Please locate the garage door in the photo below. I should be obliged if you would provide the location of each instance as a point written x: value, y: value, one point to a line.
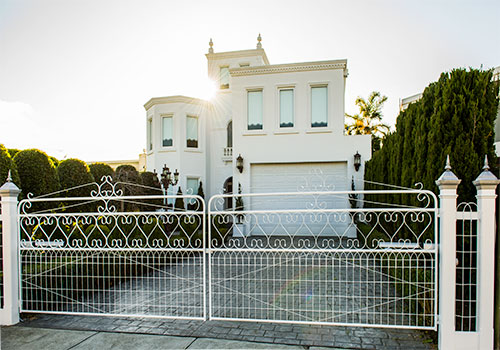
x: 302, y: 177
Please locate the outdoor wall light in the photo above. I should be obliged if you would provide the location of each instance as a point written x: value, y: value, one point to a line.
x: 357, y: 161
x: 239, y: 163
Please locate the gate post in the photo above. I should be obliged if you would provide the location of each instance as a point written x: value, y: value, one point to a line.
x: 448, y: 183
x: 486, y: 184
x: 9, y: 192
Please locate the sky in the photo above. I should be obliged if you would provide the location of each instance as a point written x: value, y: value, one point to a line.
x: 75, y: 74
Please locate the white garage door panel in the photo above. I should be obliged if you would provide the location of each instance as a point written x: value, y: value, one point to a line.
x: 300, y: 177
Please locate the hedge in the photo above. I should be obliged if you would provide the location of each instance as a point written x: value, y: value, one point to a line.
x: 455, y: 116
x: 36, y: 171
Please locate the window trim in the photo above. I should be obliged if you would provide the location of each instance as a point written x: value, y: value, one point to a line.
x: 149, y: 134
x: 278, y: 106
x: 197, y: 132
x: 168, y: 115
x: 328, y: 121
x: 225, y: 86
x: 248, y: 90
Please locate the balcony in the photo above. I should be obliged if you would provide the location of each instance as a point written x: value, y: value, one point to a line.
x: 227, y: 154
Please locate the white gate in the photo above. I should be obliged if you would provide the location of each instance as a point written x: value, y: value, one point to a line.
x: 369, y: 264
x: 113, y: 254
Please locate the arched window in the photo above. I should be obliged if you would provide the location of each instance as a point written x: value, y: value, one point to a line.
x: 230, y: 134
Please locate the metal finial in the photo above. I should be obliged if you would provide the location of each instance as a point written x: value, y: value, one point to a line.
x: 259, y: 44
x: 448, y: 165
x: 9, y: 177
x: 211, y: 48
x: 486, y: 166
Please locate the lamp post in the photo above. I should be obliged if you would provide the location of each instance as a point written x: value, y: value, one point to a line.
x: 167, y: 179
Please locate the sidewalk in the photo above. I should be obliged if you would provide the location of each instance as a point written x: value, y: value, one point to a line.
x: 27, y: 338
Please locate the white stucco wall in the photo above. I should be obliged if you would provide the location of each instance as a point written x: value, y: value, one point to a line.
x: 272, y: 145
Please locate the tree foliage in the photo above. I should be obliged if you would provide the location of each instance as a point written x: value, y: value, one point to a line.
x: 37, y: 172
x: 74, y: 173
x: 99, y: 170
x: 7, y: 164
x: 455, y: 116
x: 369, y: 119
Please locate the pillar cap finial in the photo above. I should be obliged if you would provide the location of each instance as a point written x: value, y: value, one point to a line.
x: 9, y: 177
x: 486, y: 166
x: 211, y: 46
x: 259, y: 44
x: 448, y: 164
x: 448, y: 179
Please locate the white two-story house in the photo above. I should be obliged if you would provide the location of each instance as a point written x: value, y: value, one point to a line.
x: 269, y: 128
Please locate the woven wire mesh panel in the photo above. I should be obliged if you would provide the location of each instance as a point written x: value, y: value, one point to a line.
x: 466, y: 270
x: 324, y: 287
x: 150, y: 283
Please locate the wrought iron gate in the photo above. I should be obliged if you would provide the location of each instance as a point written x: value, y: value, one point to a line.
x: 307, y: 257
x: 329, y: 257
x: 113, y: 254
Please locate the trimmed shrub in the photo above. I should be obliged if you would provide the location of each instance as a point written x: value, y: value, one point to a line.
x: 7, y: 164
x: 152, y: 187
x: 130, y: 182
x: 37, y: 172
x: 72, y: 173
x: 13, y: 152
x: 98, y: 170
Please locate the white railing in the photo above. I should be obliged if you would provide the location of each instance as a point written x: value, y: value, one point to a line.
x: 227, y: 154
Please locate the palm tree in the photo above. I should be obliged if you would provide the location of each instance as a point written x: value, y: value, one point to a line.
x: 369, y: 119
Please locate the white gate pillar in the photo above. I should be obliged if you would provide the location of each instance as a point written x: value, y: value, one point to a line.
x: 486, y: 184
x: 9, y: 192
x: 448, y: 183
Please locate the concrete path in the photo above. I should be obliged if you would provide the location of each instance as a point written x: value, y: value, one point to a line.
x: 246, y: 334
x: 27, y: 338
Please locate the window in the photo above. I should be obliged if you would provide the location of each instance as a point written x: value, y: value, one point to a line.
x: 319, y: 106
x: 254, y: 110
x: 192, y: 132
x: 150, y: 134
x: 167, y: 131
x: 192, y: 189
x: 286, y: 108
x: 230, y: 134
x: 224, y: 78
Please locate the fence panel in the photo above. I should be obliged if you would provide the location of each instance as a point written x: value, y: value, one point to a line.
x: 318, y: 263
x: 110, y: 254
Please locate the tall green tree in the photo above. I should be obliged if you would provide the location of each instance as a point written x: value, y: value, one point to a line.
x: 455, y: 116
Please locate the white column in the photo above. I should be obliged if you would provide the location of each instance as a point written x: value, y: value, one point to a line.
x: 9, y: 192
x: 448, y: 184
x: 486, y: 184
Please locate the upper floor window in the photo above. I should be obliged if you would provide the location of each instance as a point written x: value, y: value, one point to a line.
x: 192, y: 132
x: 150, y: 134
x: 254, y: 101
x: 319, y: 106
x: 167, y: 127
x: 286, y: 108
x: 224, y: 78
x: 230, y: 134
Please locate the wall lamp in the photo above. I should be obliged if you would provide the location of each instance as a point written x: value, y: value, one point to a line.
x: 357, y: 161
x: 239, y: 163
